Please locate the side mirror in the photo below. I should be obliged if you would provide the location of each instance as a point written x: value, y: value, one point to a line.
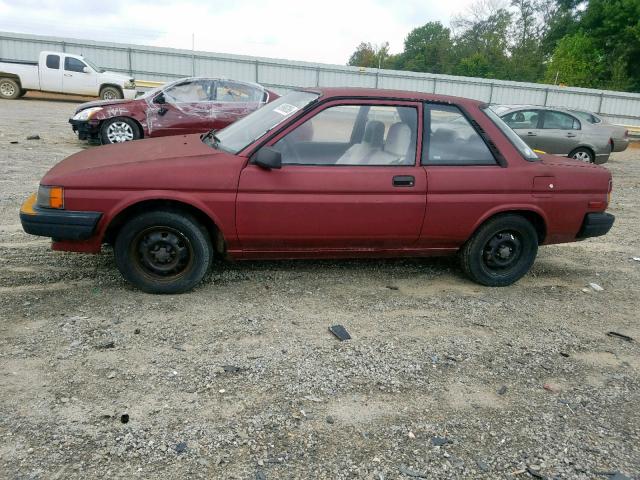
x: 159, y: 99
x: 85, y: 69
x: 267, y: 158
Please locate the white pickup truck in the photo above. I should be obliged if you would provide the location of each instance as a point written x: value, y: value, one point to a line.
x: 63, y: 73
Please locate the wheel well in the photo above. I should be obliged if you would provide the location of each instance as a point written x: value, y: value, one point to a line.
x: 116, y: 223
x: 117, y: 87
x: 584, y: 147
x: 536, y: 220
x: 11, y: 76
x: 130, y: 118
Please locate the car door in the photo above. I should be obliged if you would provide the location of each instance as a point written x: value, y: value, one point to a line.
x: 186, y: 109
x: 526, y: 123
x: 349, y: 180
x: 234, y: 100
x: 464, y: 177
x: 76, y: 80
x: 560, y: 132
x: 51, y: 74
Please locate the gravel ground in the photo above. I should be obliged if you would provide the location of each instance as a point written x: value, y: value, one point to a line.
x: 241, y: 379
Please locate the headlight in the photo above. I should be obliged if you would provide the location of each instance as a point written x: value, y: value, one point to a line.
x: 87, y: 113
x: 50, y: 197
x: 130, y: 85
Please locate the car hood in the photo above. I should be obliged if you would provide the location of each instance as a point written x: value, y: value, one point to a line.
x: 101, y: 103
x: 159, y: 155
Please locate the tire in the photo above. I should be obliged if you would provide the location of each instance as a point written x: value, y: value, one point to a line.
x: 501, y: 251
x: 163, y: 251
x: 582, y: 154
x: 111, y: 93
x: 119, y: 130
x: 9, y: 89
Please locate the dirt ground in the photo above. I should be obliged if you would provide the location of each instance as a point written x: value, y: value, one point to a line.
x: 241, y: 379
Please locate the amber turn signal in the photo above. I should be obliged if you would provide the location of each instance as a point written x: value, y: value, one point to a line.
x: 50, y: 197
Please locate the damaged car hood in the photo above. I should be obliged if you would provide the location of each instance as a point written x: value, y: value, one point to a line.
x: 100, y: 103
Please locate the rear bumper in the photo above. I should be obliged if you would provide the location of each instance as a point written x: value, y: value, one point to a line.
x: 620, y: 144
x: 85, y: 129
x: 601, y: 158
x: 57, y: 224
x: 595, y: 225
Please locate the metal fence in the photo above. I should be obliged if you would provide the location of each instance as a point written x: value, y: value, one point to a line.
x: 164, y: 64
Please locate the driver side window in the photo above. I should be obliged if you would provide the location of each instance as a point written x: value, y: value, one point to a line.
x: 363, y: 135
x: 190, y: 92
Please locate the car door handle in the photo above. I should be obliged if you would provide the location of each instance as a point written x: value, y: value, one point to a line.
x: 570, y: 135
x: 531, y: 134
x: 404, y: 181
x: 68, y: 75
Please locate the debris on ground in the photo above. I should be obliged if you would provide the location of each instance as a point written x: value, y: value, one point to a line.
x: 393, y: 287
x: 440, y: 441
x: 596, y: 287
x: 412, y: 473
x: 340, y: 332
x: 502, y: 390
x: 106, y: 345
x: 33, y: 137
x: 620, y: 335
x: 124, y: 418
x: 181, y: 447
x: 232, y: 369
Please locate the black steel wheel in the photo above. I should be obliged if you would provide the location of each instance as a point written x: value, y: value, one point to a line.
x: 163, y: 252
x: 501, y: 251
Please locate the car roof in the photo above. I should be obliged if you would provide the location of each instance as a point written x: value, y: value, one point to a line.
x: 381, y: 93
x: 218, y: 79
x: 514, y: 108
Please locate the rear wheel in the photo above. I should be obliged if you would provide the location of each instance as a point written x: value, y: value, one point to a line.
x: 501, y: 251
x: 111, y: 93
x: 582, y: 154
x: 9, y: 89
x: 163, y: 252
x: 119, y: 130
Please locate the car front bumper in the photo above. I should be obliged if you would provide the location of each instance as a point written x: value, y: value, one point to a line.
x: 86, y: 129
x: 596, y: 225
x: 57, y: 224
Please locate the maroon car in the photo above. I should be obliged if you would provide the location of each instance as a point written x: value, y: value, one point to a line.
x: 324, y: 173
x: 189, y: 105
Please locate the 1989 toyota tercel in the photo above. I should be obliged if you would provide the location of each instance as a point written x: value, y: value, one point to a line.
x: 324, y: 173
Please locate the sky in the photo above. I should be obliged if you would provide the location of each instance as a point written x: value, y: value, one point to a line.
x: 326, y: 31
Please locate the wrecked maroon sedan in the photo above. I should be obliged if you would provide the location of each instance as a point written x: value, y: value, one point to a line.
x: 189, y: 105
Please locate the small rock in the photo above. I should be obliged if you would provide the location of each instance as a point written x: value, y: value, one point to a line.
x: 14, y: 142
x: 636, y: 259
x: 392, y: 287
x: 596, y: 287
x: 64, y: 399
x: 124, y: 418
x: 330, y: 419
x: 137, y: 331
x: 411, y: 435
x: 260, y: 475
x: 33, y: 137
x: 502, y: 390
x: 482, y: 466
x: 181, y: 447
x: 412, y: 473
x: 106, y: 345
x: 111, y: 375
x: 440, y: 441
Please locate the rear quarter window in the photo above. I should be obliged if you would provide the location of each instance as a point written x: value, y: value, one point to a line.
x: 53, y: 62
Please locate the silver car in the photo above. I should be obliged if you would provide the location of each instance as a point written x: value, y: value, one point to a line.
x: 619, y: 135
x: 557, y: 131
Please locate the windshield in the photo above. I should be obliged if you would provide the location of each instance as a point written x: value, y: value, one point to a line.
x: 93, y: 65
x: 524, y: 149
x: 238, y: 135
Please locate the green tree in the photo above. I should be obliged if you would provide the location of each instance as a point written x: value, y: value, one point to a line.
x: 576, y: 62
x: 428, y: 49
x: 369, y: 55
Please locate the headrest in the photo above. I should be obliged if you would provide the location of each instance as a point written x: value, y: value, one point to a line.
x: 398, y: 139
x: 374, y: 133
x: 519, y: 117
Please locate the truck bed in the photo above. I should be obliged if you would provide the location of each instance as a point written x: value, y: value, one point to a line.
x: 22, y: 62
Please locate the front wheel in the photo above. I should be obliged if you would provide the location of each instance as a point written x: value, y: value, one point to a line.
x: 119, y: 130
x: 501, y: 251
x: 111, y: 93
x: 163, y: 252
